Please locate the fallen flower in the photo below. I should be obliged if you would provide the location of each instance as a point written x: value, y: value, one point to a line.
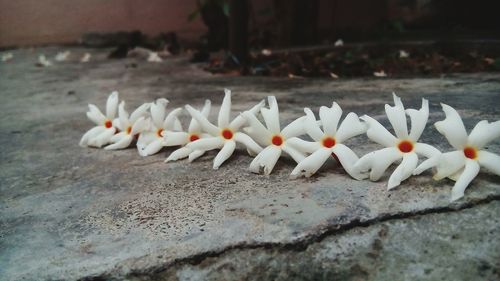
x: 154, y: 57
x: 7, y: 57
x: 151, y: 140
x: 271, y: 136
x: 43, y: 61
x: 403, y: 54
x: 226, y: 134
x: 62, y: 56
x: 464, y: 163
x: 129, y: 126
x: 339, y: 43
x: 380, y: 73
x: 403, y: 146
x: 102, y: 133
x: 182, y: 138
x: 86, y: 58
x: 329, y: 141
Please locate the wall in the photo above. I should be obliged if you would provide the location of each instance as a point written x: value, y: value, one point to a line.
x: 30, y: 22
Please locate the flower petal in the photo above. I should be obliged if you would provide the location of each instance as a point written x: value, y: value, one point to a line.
x: 239, y: 121
x: 418, y: 120
x: 95, y: 115
x: 248, y: 142
x: 377, y: 161
x: 311, y: 126
x: 483, y: 133
x: 428, y: 151
x: 90, y: 134
x: 265, y: 160
x: 140, y: 125
x: 194, y: 126
x: 175, y: 138
x: 490, y: 161
x: 141, y: 111
x: 158, y: 112
x: 258, y: 131
x: 449, y: 163
x: 225, y: 110
x: 294, y: 153
x: 124, y: 142
x: 206, y: 144
x: 271, y: 115
x: 348, y: 159
x: 123, y: 117
x: 349, y: 128
x: 103, y: 138
x: 144, y: 139
x: 330, y: 118
x: 311, y: 164
x: 294, y: 129
x: 452, y: 127
x: 303, y: 146
x: 195, y: 155
x: 226, y: 151
x: 378, y: 133
x: 111, y: 105
x: 203, y: 121
x: 169, y: 123
x: 404, y: 170
x: 180, y: 153
x: 152, y: 148
x: 470, y: 172
x: 397, y: 117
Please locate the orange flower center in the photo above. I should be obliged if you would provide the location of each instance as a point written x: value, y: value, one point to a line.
x: 329, y: 142
x: 129, y: 130
x: 227, y: 134
x: 108, y: 124
x: 470, y: 152
x: 277, y: 140
x: 405, y: 146
x: 158, y: 133
x: 194, y: 137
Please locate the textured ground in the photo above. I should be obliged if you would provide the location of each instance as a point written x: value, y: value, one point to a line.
x: 72, y: 213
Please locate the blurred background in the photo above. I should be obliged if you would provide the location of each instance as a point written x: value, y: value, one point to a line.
x: 326, y: 38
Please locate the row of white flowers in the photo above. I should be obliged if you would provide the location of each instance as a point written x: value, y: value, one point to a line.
x: 153, y: 129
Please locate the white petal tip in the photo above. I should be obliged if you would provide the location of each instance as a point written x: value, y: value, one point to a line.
x: 455, y: 197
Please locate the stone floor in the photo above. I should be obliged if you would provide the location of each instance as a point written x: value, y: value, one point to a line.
x: 72, y: 213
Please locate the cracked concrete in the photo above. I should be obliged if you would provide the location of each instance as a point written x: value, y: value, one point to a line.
x: 72, y: 213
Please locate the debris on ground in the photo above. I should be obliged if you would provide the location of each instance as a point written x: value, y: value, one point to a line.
x: 338, y: 43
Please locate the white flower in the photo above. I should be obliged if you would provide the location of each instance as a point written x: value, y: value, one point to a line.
x: 464, y: 163
x: 380, y: 73
x: 405, y: 146
x: 7, y: 57
x: 403, y: 54
x: 182, y: 138
x: 86, y: 58
x: 130, y: 126
x: 338, y: 43
x: 329, y: 141
x: 154, y: 57
x: 151, y: 139
x: 102, y: 133
x: 271, y: 136
x: 62, y: 56
x: 226, y: 134
x: 43, y: 61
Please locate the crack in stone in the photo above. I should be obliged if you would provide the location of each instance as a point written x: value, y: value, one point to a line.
x: 303, y: 243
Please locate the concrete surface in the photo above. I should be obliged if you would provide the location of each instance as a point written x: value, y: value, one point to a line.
x: 72, y: 213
